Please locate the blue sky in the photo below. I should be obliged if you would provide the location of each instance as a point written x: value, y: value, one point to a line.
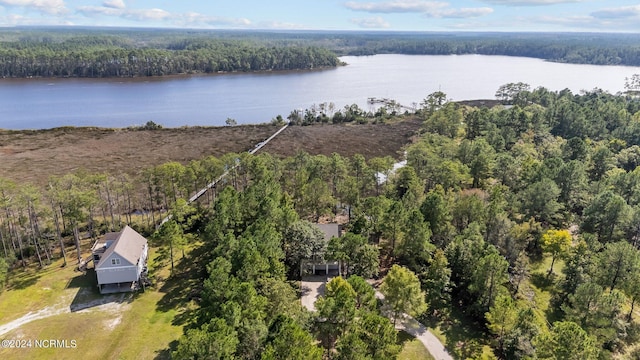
x: 417, y: 15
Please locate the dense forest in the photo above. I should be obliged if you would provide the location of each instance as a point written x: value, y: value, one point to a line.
x: 94, y: 55
x: 63, y: 52
x: 580, y: 48
x: 519, y: 220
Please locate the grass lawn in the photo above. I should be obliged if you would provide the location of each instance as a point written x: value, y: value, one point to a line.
x: 412, y: 349
x: 542, y: 267
x: 31, y: 290
x: 537, y: 290
x: 132, y: 330
x: 122, y: 326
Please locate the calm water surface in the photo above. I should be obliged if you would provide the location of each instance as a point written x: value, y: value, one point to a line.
x: 257, y: 98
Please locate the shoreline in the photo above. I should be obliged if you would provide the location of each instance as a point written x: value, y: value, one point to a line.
x: 131, y: 128
x: 168, y: 77
x: 489, y: 103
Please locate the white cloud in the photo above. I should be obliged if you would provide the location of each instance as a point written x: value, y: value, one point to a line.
x: 533, y: 23
x: 278, y: 25
x: 194, y: 18
x: 435, y: 9
x: 623, y: 12
x: 570, y: 21
x: 473, y: 26
x: 16, y: 20
x: 116, y: 4
x: 397, y: 6
x: 371, y: 23
x: 45, y: 6
x: 160, y: 15
x: 530, y: 2
x: 146, y: 14
x: 99, y: 10
x: 462, y: 13
x: 19, y: 20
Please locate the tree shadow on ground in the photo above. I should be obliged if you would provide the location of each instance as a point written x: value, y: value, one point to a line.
x: 554, y: 314
x: 165, y: 354
x: 180, y: 289
x: 463, y: 339
x: 543, y: 281
x: 183, y: 286
x: 83, y: 280
x: 20, y: 280
x: 162, y: 258
x: 403, y: 337
x: 317, y: 282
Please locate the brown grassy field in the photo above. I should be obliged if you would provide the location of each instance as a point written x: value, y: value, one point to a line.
x: 33, y: 156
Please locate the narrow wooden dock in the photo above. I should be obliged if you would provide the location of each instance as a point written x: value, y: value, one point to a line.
x: 211, y: 185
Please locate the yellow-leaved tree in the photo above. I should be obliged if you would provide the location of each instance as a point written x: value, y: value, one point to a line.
x: 557, y: 243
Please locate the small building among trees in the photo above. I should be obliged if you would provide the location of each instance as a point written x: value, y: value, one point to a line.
x: 318, y: 265
x: 120, y: 261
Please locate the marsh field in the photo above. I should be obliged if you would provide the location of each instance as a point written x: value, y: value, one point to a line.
x: 34, y: 155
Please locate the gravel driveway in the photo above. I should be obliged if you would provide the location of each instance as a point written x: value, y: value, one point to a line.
x: 312, y: 288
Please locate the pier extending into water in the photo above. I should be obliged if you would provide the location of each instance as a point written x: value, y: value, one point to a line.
x: 389, y: 103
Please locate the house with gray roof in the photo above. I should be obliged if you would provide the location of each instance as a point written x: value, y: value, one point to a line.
x: 322, y: 266
x: 120, y: 261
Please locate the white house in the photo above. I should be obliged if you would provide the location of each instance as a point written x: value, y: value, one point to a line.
x: 120, y: 261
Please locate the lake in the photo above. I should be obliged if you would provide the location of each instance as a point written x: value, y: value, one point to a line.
x: 259, y: 97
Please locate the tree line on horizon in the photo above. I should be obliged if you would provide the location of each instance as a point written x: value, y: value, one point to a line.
x: 521, y: 221
x: 595, y: 49
x: 96, y: 53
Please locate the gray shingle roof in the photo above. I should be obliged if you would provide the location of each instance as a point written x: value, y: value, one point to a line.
x: 329, y: 230
x: 128, y: 244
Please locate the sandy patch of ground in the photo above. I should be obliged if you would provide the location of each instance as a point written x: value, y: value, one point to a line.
x: 115, y: 304
x: 31, y: 316
x: 111, y: 324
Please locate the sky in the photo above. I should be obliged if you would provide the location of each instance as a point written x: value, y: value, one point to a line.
x: 389, y: 15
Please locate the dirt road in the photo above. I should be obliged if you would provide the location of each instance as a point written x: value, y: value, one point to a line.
x: 112, y: 303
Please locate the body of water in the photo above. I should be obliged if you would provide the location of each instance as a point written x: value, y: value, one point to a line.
x: 259, y: 97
